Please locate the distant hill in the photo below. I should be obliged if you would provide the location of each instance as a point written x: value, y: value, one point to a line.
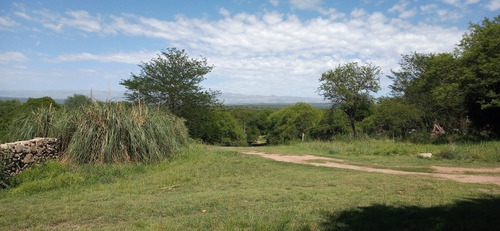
x: 227, y: 98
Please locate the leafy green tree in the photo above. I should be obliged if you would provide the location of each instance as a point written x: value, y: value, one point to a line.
x: 412, y: 66
x: 333, y: 122
x: 394, y: 118
x: 293, y: 122
x: 77, y: 101
x: 480, y: 58
x: 172, y: 80
x: 433, y: 88
x: 223, y: 129
x: 248, y: 119
x: 348, y: 87
x: 36, y: 103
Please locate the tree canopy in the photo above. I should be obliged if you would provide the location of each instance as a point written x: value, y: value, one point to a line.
x: 172, y: 81
x: 348, y: 87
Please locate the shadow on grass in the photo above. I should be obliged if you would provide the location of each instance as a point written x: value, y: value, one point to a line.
x: 471, y: 214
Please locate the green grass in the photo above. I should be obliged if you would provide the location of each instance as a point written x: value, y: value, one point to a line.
x: 210, y: 188
x: 395, y: 155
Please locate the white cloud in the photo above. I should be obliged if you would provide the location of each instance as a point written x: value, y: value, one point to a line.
x: 430, y: 8
x: 7, y: 22
x: 224, y: 12
x: 461, y: 4
x: 274, y: 2
x: 468, y: 2
x: 306, y: 4
x: 448, y: 15
x: 12, y: 56
x: 401, y: 9
x: 80, y: 20
x: 120, y: 57
x: 494, y: 5
x: 268, y: 53
x: 22, y: 15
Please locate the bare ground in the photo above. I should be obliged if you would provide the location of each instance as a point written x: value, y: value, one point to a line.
x: 450, y: 173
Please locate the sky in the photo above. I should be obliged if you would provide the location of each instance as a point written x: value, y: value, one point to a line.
x: 266, y: 47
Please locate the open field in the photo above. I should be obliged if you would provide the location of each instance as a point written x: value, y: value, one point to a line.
x: 213, y: 188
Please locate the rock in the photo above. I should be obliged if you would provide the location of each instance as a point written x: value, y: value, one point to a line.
x: 425, y: 155
x: 28, y: 158
x: 19, y: 147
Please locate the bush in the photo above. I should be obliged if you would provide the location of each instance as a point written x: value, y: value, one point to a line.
x: 108, y: 132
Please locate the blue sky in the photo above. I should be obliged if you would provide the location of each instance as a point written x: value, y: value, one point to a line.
x: 268, y: 47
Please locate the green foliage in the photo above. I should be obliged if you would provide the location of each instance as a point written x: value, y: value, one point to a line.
x: 108, y: 132
x: 392, y: 118
x: 77, y: 101
x: 223, y: 129
x: 348, y: 87
x: 456, y: 90
x: 480, y: 78
x: 113, y: 133
x: 8, y: 111
x: 252, y: 120
x: 172, y: 80
x: 35, y: 103
x: 333, y: 124
x: 292, y: 123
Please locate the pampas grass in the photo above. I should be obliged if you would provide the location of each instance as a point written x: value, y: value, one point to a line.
x: 108, y: 132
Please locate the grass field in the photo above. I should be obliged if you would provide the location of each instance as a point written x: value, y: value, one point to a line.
x: 212, y: 188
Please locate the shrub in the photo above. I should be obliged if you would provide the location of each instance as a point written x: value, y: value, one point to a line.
x: 108, y: 132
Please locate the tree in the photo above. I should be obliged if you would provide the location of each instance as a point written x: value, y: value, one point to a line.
x: 77, y: 101
x: 36, y: 103
x: 333, y: 122
x: 172, y: 80
x: 412, y: 66
x: 223, y: 129
x: 480, y: 56
x: 293, y: 122
x: 394, y: 118
x: 348, y: 87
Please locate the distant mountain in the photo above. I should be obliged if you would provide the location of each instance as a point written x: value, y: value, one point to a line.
x: 226, y: 98
x: 240, y: 99
x: 60, y: 95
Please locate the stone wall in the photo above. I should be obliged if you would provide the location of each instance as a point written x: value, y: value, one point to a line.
x: 19, y: 155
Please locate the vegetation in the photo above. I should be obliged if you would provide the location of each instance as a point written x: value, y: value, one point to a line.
x: 107, y: 132
x: 77, y: 101
x: 292, y: 122
x: 209, y: 188
x: 458, y: 91
x: 172, y: 81
x: 348, y: 87
x: 118, y: 151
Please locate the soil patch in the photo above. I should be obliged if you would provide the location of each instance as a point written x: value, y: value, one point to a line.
x: 450, y: 173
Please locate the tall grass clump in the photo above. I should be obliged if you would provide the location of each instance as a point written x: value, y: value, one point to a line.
x: 108, y: 132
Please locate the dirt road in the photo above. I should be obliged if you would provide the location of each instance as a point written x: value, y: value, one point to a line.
x: 450, y: 173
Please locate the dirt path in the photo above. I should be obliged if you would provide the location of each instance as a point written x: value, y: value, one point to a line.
x: 450, y: 173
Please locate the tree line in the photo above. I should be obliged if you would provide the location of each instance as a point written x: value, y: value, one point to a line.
x: 457, y: 92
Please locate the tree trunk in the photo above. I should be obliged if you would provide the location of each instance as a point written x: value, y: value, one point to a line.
x: 353, y: 127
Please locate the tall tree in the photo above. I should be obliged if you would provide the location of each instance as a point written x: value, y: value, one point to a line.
x: 480, y: 56
x: 411, y: 67
x: 348, y: 87
x: 172, y: 80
